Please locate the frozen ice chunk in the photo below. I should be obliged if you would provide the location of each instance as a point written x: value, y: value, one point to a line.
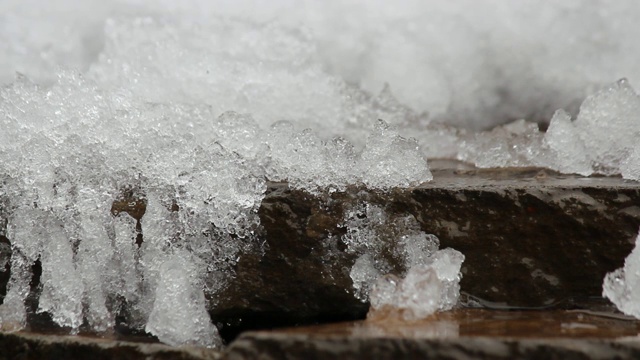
x: 418, y: 247
x: 608, y: 123
x: 124, y: 257
x: 376, y: 235
x: 94, y: 255
x: 385, y: 291
x: 63, y: 288
x: 515, y: 144
x: 420, y: 293
x: 568, y: 151
x: 179, y: 316
x: 363, y: 274
x: 369, y: 228
x: 622, y: 286
x: 602, y: 139
x: 381, y: 165
x: 314, y: 164
x: 630, y: 167
x: 13, y: 313
x: 447, y: 263
x: 426, y: 288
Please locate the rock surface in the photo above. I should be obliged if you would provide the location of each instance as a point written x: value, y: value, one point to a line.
x: 261, y: 346
x: 39, y: 346
x: 462, y: 334
x: 531, y: 238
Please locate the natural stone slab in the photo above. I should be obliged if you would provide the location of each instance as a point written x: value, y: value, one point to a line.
x: 262, y: 346
x: 40, y: 346
x: 531, y: 238
x: 462, y: 334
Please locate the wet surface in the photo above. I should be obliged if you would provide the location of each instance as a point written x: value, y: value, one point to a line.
x: 485, y: 323
x: 455, y: 174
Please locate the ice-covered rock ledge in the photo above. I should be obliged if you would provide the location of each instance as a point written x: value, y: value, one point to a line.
x: 530, y: 238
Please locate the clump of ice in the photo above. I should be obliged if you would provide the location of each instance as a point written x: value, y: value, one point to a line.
x: 433, y: 285
x: 601, y: 139
x: 513, y: 145
x: 71, y: 149
x: 179, y: 315
x: 380, y: 239
x: 567, y: 152
x: 605, y: 130
x: 622, y: 286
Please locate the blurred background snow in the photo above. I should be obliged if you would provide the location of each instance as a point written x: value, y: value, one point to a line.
x: 469, y: 63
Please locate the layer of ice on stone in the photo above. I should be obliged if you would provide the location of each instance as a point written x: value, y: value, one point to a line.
x: 622, y: 286
x: 601, y: 139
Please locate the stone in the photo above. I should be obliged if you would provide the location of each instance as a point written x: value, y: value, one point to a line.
x: 39, y: 346
x: 532, y: 238
x: 458, y: 334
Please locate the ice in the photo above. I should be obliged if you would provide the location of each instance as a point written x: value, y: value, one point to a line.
x: 426, y: 288
x: 622, y: 286
x: 385, y: 291
x: 417, y: 247
x: 124, y: 257
x: 608, y: 125
x: 62, y: 293
x: 378, y: 238
x: 512, y: 145
x: 567, y: 150
x: 23, y: 231
x: 601, y: 139
x: 179, y: 316
x: 380, y: 160
x: 630, y: 167
x: 94, y: 255
x: 363, y: 274
x: 13, y: 313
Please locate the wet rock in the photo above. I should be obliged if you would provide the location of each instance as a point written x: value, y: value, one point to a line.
x: 468, y: 334
x: 278, y: 346
x: 38, y: 346
x: 531, y: 239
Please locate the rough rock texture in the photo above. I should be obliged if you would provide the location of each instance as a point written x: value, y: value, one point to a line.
x: 458, y: 334
x: 278, y: 346
x: 36, y: 346
x: 531, y: 239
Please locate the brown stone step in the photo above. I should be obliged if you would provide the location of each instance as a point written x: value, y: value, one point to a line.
x: 458, y: 334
